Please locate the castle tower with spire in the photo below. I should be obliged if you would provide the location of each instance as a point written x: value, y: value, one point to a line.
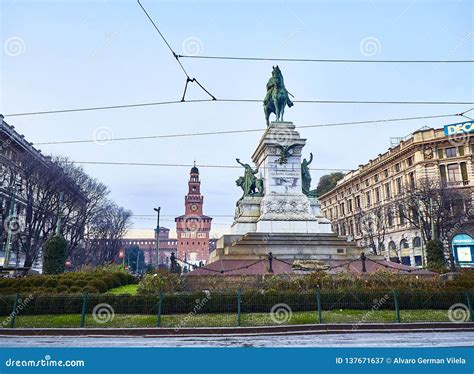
x: 193, y: 227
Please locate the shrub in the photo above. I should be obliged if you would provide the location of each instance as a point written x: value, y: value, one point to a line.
x: 54, y: 255
x: 98, y: 284
x: 162, y: 280
x: 435, y: 255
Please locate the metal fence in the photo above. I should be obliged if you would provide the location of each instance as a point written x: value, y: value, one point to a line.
x: 234, y: 309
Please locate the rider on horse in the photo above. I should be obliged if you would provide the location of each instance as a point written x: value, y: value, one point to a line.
x: 277, y: 96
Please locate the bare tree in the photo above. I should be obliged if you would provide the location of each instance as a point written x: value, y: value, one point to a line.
x: 372, y: 227
x: 435, y: 208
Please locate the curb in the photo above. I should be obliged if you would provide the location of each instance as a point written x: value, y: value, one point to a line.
x: 245, y: 331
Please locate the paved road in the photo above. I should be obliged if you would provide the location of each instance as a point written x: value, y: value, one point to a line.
x: 443, y: 339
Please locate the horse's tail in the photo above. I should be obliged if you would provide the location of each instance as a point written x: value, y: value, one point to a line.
x: 289, y: 102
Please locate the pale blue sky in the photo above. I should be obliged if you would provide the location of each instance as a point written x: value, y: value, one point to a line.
x: 94, y: 53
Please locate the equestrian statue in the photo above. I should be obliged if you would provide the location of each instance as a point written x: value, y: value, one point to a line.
x: 277, y: 96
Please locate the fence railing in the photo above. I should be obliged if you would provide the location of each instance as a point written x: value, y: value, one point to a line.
x: 234, y: 309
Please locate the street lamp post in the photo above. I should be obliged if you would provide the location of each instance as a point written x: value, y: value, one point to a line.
x: 157, y: 210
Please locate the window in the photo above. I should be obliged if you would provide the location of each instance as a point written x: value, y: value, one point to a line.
x: 453, y: 171
x: 397, y: 167
x: 461, y: 150
x: 440, y: 153
x: 410, y: 161
x: 357, y: 201
x: 350, y: 227
x: 399, y: 185
x: 388, y: 194
x: 411, y: 177
x: 385, y: 173
x: 404, y: 244
x: 389, y: 217
x: 368, y: 198
x: 376, y: 178
x: 349, y: 205
x: 417, y: 242
x: 464, y: 176
x: 357, y: 187
x: 367, y: 183
x: 377, y: 195
x: 401, y: 214
x: 450, y: 152
x: 442, y: 173
x: 342, y: 209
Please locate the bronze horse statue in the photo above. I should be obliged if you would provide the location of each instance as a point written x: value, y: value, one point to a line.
x: 277, y: 96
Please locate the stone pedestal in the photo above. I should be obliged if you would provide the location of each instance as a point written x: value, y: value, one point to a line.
x: 284, y: 220
x: 284, y: 208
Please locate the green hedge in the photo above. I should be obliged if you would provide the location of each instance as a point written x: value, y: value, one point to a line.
x: 94, y: 281
x: 251, y: 302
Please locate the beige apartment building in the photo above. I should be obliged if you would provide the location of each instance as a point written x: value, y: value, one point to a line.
x: 380, y: 182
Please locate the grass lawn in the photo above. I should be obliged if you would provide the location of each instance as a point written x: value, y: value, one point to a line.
x: 130, y: 289
x: 247, y: 319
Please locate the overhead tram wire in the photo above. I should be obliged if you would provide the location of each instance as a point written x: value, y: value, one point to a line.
x: 115, y: 163
x: 170, y: 102
x: 322, y: 60
x: 175, y: 55
x: 334, y: 124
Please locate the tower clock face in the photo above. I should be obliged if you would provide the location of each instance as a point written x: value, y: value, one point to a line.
x: 194, y: 207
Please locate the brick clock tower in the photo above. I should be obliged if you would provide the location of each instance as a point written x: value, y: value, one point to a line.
x: 193, y: 227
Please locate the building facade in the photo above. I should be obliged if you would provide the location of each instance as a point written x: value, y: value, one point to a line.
x: 193, y: 228
x: 18, y: 160
x: 148, y: 246
x: 375, y: 187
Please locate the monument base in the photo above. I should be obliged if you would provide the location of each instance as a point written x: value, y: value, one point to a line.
x: 285, y: 246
